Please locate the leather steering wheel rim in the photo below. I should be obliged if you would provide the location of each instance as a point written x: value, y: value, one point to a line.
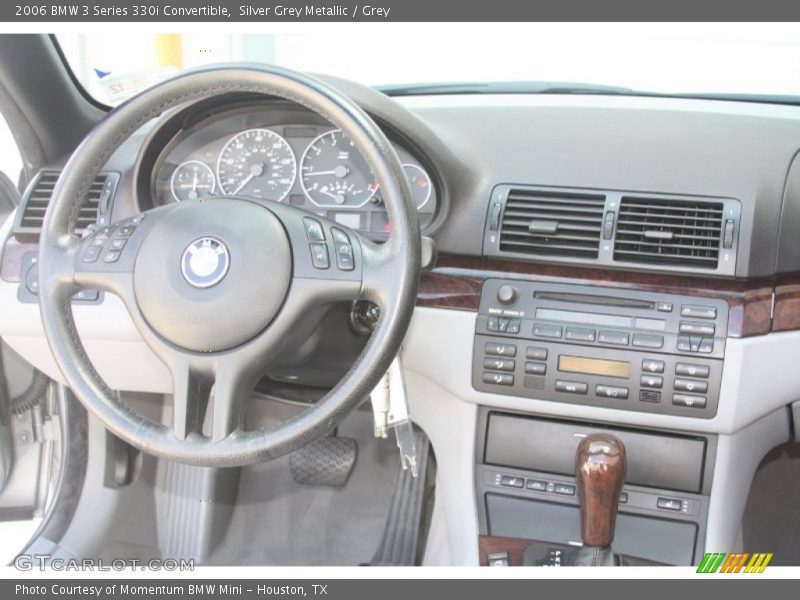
x: 388, y: 275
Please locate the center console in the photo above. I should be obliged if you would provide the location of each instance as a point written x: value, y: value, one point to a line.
x: 627, y: 350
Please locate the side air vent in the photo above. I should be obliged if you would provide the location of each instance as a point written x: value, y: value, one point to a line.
x: 34, y: 205
x: 551, y: 223
x: 683, y: 233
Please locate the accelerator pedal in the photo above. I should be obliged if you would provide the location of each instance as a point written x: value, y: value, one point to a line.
x: 327, y: 461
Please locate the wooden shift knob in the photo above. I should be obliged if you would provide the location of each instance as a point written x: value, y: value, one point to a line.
x: 600, y: 468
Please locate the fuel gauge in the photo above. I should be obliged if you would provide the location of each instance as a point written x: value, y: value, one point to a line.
x: 192, y: 180
x: 420, y: 184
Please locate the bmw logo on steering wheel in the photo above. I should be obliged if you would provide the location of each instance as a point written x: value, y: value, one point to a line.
x: 205, y: 262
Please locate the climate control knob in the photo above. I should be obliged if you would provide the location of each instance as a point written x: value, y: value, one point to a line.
x: 507, y: 294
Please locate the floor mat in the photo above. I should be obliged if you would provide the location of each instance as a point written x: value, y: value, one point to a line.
x: 772, y: 517
x: 280, y: 522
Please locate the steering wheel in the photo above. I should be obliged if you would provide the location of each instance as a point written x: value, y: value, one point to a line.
x: 220, y: 288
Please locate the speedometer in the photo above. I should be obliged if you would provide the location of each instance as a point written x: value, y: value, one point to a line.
x: 334, y: 173
x: 257, y: 163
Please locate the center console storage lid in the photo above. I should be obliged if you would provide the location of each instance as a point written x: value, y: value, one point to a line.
x: 654, y: 459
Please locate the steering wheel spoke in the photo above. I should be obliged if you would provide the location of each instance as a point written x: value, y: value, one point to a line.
x: 209, y: 396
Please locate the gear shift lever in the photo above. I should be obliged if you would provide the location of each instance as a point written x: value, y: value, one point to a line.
x: 600, y: 468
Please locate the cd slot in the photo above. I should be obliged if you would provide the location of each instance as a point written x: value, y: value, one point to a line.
x: 595, y: 299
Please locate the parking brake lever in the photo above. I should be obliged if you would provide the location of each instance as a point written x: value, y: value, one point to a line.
x: 390, y: 411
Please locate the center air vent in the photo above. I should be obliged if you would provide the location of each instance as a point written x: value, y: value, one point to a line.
x: 552, y: 223
x: 34, y: 205
x: 686, y: 233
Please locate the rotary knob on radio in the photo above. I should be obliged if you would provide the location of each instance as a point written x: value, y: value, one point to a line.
x: 507, y: 294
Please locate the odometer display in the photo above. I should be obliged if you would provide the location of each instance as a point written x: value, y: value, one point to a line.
x: 257, y: 163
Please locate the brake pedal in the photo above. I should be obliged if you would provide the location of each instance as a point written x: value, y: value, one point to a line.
x: 327, y: 461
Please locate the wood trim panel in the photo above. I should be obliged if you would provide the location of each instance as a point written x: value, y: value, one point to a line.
x: 456, y: 283
x: 12, y: 258
x: 787, y: 303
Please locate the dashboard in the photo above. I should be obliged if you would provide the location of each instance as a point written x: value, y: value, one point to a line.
x: 541, y: 315
x: 284, y: 156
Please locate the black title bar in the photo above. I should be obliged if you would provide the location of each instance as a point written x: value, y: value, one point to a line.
x: 260, y: 11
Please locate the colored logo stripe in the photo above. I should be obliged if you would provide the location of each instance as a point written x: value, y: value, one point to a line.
x: 723, y: 562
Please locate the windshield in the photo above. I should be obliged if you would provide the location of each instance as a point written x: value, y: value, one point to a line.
x: 672, y: 59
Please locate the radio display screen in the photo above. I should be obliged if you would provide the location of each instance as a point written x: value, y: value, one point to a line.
x: 594, y: 366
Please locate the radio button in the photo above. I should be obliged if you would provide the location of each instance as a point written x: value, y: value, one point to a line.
x: 652, y: 381
x: 696, y: 328
x: 706, y: 345
x: 610, y: 391
x: 544, y: 330
x: 498, y: 364
x: 493, y: 324
x: 498, y: 378
x: 494, y: 349
x: 699, y: 312
x: 579, y: 334
x: 653, y: 366
x: 689, y: 385
x: 513, y: 326
x: 613, y: 337
x: 689, y: 400
x: 664, y: 306
x: 648, y: 341
x: 684, y: 343
x: 535, y: 368
x: 691, y: 370
x: 571, y: 387
x: 536, y: 353
x: 649, y: 396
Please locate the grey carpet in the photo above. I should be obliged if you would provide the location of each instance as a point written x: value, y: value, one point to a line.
x: 772, y: 518
x: 279, y: 522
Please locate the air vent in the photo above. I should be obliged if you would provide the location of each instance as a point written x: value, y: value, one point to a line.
x: 34, y: 206
x: 684, y: 233
x: 552, y: 223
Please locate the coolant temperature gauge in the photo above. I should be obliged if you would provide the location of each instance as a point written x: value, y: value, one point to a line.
x: 192, y: 180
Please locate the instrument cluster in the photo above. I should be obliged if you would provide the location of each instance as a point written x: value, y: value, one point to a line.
x: 281, y: 156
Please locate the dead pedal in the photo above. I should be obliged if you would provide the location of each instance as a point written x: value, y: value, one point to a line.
x: 327, y: 461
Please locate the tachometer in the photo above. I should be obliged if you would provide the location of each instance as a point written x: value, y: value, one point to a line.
x: 333, y: 172
x: 191, y: 180
x: 257, y: 163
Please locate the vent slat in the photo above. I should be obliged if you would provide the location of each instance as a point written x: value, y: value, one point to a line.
x: 574, y: 221
x: 669, y: 231
x: 562, y: 225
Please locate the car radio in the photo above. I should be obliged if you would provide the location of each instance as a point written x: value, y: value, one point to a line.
x: 614, y: 349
